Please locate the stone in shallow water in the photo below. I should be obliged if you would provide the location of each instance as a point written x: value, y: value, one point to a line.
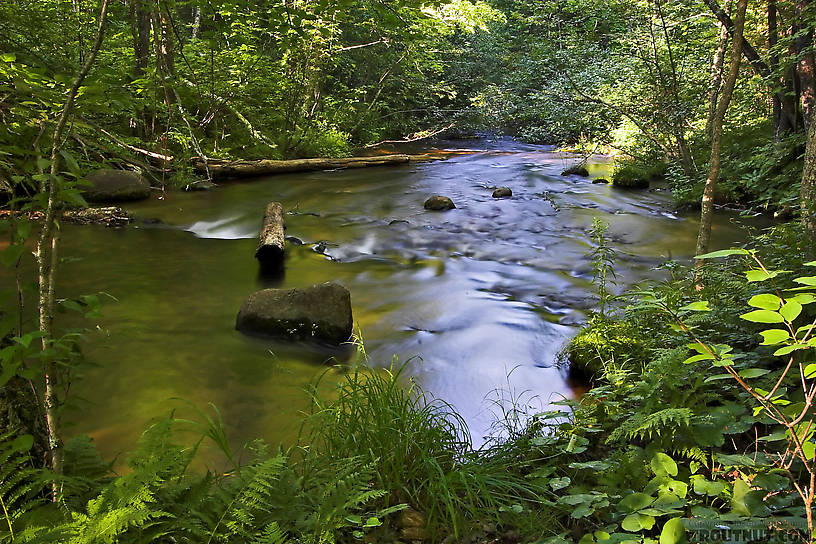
x: 576, y: 170
x: 502, y: 192
x: 109, y: 185
x: 320, y: 312
x: 439, y: 202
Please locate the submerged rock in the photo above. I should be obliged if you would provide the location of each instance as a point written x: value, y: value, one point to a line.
x: 110, y: 216
x: 109, y: 185
x: 202, y: 185
x: 576, y: 170
x: 320, y: 312
x: 439, y: 202
x: 502, y: 192
x: 601, y: 180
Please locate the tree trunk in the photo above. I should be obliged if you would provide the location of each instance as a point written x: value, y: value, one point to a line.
x: 805, y: 65
x: 773, y: 59
x: 717, y: 64
x: 808, y: 191
x: 704, y: 237
x: 46, y: 257
x: 140, y: 29
x: 234, y: 169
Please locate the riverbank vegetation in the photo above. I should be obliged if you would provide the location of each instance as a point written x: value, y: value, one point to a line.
x: 701, y: 414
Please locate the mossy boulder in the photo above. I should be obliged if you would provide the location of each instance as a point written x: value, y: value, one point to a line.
x: 109, y: 185
x: 637, y: 176
x: 603, y: 341
x: 320, y: 312
x: 502, y: 192
x: 598, y: 181
x: 439, y: 203
x: 576, y: 170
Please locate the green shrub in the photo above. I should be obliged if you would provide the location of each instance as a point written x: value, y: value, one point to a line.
x: 635, y: 176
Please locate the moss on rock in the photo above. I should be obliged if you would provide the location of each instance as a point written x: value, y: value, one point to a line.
x: 602, y: 341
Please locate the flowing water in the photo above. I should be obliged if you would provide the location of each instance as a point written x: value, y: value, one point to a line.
x: 483, y: 296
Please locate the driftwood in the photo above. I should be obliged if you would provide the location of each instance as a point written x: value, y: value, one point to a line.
x: 234, y: 169
x: 271, y: 240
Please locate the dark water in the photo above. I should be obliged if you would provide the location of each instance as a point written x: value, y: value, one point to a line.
x: 485, y: 294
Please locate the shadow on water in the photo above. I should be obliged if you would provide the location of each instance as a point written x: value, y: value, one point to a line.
x: 487, y: 294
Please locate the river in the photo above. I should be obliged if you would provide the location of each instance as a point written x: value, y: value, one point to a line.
x: 480, y: 298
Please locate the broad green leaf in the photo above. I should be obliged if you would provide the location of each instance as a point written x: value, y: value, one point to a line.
x: 749, y: 373
x: 804, y: 298
x: 636, y: 522
x: 717, y: 377
x: 772, y: 337
x: 791, y: 310
x: 810, y: 370
x: 699, y: 306
x: 806, y: 280
x: 723, y: 253
x: 8, y: 57
x: 559, y: 483
x: 582, y: 511
x: 635, y: 502
x: 765, y: 302
x: 702, y: 486
x: 673, y: 532
x: 789, y: 349
x: 663, y: 465
x: 809, y: 449
x: 763, y: 316
x: 699, y: 357
x: 811, y: 263
x: 738, y: 505
x: 762, y: 275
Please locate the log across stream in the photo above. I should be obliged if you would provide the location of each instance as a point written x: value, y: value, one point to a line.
x: 220, y: 169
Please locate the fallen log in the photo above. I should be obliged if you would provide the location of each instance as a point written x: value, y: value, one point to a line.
x: 235, y: 169
x: 271, y: 240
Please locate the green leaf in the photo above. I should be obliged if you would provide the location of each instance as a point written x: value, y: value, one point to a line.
x: 637, y: 522
x: 811, y: 263
x: 717, y: 377
x: 559, y: 483
x: 789, y: 349
x: 810, y: 370
x: 738, y: 505
x: 791, y: 310
x: 663, y: 465
x: 700, y: 357
x: 809, y: 449
x: 723, y: 253
x: 749, y: 373
x: 763, y: 316
x: 8, y: 57
x: 765, y: 302
x: 673, y: 532
x: 635, y: 502
x: 806, y: 280
x: 702, y: 486
x: 372, y: 522
x: 772, y: 337
x: 582, y: 511
x: 699, y: 306
x: 762, y: 275
x: 804, y: 298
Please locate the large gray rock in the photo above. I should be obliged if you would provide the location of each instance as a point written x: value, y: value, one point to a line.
x: 320, y: 312
x: 109, y: 185
x: 439, y: 202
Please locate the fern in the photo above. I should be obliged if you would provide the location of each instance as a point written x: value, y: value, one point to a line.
x: 645, y: 425
x: 21, y: 486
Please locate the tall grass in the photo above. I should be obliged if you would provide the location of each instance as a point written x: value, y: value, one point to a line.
x: 420, y: 447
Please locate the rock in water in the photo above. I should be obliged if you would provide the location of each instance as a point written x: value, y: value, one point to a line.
x: 576, y: 170
x: 502, y: 192
x: 271, y: 240
x: 600, y: 180
x: 439, y: 202
x: 320, y: 312
x: 110, y: 185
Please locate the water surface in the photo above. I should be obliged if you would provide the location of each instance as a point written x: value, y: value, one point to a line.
x: 483, y: 296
